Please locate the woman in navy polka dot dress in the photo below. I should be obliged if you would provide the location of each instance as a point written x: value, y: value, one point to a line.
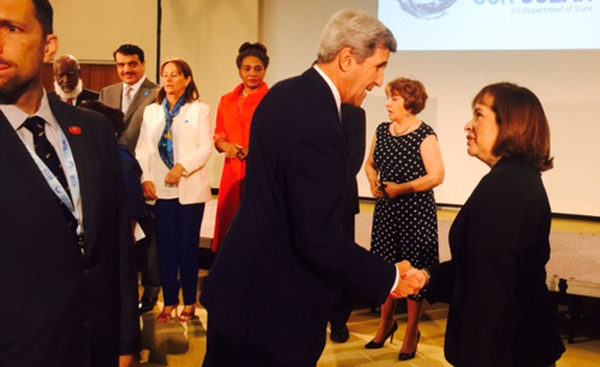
x: 404, y: 166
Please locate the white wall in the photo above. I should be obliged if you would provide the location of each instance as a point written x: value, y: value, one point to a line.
x: 205, y: 33
x: 92, y: 30
x: 567, y: 83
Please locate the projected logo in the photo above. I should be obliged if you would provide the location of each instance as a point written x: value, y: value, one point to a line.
x: 427, y: 9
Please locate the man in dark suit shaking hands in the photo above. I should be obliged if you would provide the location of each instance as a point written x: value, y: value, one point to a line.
x: 67, y: 282
x: 269, y: 290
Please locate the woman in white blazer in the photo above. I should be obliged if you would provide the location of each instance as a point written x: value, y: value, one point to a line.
x: 173, y: 148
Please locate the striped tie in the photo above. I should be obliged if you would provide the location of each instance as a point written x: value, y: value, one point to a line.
x: 48, y: 155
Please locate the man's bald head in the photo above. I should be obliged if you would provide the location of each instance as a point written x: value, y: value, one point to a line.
x: 66, y: 72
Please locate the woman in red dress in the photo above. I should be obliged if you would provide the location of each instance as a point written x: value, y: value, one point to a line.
x: 232, y: 133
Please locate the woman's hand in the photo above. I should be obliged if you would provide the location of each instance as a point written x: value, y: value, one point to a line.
x: 375, y: 185
x: 242, y: 153
x: 393, y: 189
x: 174, y: 175
x: 231, y: 150
x: 149, y: 190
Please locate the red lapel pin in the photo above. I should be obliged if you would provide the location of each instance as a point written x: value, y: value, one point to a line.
x: 75, y: 130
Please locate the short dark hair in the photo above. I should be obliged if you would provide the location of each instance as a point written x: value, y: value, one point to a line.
x: 129, y: 50
x: 45, y: 15
x: 115, y: 115
x: 257, y: 50
x: 191, y: 91
x: 412, y: 91
x: 524, y: 134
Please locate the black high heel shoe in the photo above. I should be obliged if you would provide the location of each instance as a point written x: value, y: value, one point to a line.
x: 374, y: 345
x: 409, y: 356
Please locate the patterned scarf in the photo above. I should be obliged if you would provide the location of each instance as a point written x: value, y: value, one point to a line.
x: 165, y: 144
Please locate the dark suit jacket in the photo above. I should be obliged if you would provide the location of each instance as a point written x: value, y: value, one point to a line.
x: 500, y: 311
x: 354, y: 130
x: 63, y: 308
x: 269, y: 288
x: 146, y: 95
x: 85, y: 95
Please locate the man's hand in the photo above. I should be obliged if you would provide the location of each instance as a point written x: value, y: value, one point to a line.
x: 130, y: 360
x: 411, y: 280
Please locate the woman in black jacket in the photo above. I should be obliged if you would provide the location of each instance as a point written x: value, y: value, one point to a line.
x: 500, y: 312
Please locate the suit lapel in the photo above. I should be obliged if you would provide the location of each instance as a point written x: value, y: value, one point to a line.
x: 139, y: 97
x: 323, y: 91
x: 17, y: 159
x: 83, y: 162
x: 113, y: 96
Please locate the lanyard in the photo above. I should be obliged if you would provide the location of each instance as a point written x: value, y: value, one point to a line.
x: 72, y: 179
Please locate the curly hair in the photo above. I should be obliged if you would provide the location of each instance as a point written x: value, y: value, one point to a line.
x: 412, y: 91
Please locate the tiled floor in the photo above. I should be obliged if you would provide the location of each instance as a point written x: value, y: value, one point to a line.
x: 182, y: 345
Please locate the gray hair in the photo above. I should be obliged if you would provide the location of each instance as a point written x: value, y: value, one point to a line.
x: 67, y: 57
x: 361, y: 32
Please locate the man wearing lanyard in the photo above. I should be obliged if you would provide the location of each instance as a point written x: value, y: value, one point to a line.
x: 66, y: 275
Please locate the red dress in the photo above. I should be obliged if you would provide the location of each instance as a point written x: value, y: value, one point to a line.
x: 234, y: 118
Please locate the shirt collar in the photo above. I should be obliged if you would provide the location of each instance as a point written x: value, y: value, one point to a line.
x: 336, y: 93
x: 135, y: 87
x: 17, y: 117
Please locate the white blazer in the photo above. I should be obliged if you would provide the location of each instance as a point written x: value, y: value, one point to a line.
x: 192, y: 146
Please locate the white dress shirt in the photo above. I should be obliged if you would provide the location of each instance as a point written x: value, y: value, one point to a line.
x: 336, y: 93
x: 134, y: 89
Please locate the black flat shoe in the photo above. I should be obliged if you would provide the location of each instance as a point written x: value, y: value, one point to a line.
x: 146, y: 304
x: 339, y: 335
x: 409, y: 356
x: 374, y: 345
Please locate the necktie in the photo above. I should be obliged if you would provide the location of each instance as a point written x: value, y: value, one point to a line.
x: 70, y: 101
x: 127, y: 100
x: 48, y: 155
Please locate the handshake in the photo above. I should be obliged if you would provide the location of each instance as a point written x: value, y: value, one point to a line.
x: 411, y: 280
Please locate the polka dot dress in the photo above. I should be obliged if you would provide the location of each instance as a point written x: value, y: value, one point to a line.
x: 405, y: 227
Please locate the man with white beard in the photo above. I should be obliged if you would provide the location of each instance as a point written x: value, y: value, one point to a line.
x: 67, y: 82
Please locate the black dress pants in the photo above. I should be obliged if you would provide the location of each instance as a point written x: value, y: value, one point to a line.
x: 146, y: 253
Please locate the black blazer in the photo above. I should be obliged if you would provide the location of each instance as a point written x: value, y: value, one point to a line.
x: 63, y: 308
x: 354, y: 130
x: 269, y: 288
x: 500, y: 312
x: 85, y: 95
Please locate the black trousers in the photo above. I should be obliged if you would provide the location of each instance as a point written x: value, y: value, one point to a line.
x: 343, y: 299
x: 221, y: 354
x: 146, y: 254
